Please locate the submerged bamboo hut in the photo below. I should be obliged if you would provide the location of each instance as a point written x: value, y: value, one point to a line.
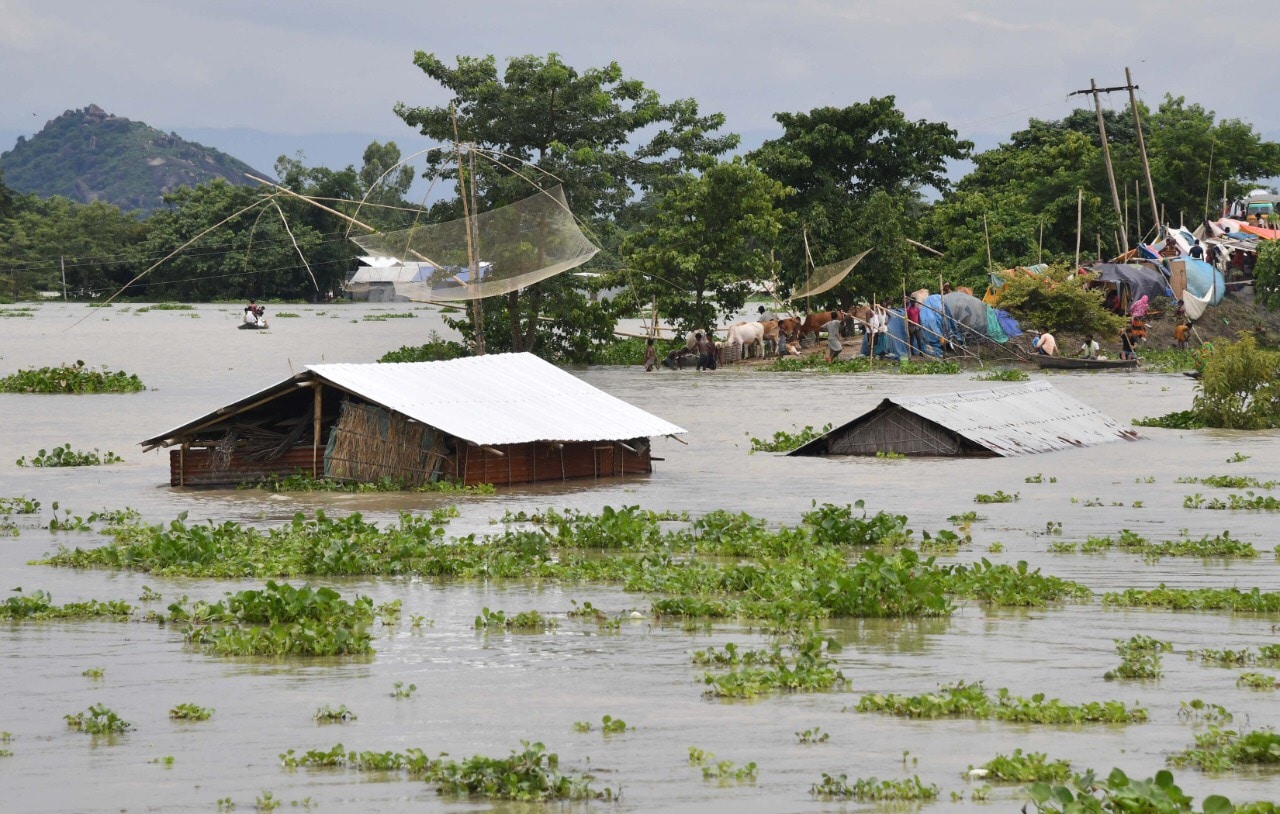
x: 500, y: 419
x: 1000, y: 421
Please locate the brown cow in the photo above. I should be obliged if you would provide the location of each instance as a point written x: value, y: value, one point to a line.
x: 813, y: 322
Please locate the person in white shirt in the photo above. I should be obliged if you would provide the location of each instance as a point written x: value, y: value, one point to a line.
x: 1090, y: 348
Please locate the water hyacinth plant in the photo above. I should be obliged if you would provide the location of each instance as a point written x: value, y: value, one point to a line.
x: 65, y: 456
x: 71, y: 379
x: 98, y: 720
x: 971, y: 700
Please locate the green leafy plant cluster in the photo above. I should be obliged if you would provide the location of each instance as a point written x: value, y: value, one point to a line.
x: 1198, y: 710
x: 71, y: 379
x: 98, y: 720
x: 998, y: 497
x: 524, y: 622
x: 1220, y: 750
x: 1139, y: 658
x: 1162, y: 596
x: 784, y: 441
x: 722, y: 770
x: 1239, y: 389
x: 434, y: 349
x: 806, y: 667
x: 190, y: 712
x: 1058, y: 301
x: 813, y: 735
x: 1256, y: 681
x: 871, y: 788
x: 304, y: 482
x: 1218, y: 546
x: 279, y: 620
x: 1267, y: 654
x: 1120, y: 794
x: 65, y: 456
x: 1012, y: 585
x: 1231, y: 482
x: 530, y: 774
x: 1027, y: 767
x: 1234, y: 502
x: 1006, y: 375
x: 971, y: 700
x: 333, y: 715
x: 38, y: 605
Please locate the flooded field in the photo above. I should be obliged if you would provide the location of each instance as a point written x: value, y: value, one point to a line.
x: 483, y: 694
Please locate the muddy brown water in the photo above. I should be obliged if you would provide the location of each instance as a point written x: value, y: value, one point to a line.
x: 483, y: 694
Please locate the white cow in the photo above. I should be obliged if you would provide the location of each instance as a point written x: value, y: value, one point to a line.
x: 748, y: 335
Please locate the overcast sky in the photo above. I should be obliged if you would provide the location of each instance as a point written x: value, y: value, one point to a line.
x: 314, y: 69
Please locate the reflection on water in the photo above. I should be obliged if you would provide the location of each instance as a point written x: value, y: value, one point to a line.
x: 481, y: 693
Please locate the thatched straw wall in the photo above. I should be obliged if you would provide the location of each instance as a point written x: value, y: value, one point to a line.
x: 370, y: 443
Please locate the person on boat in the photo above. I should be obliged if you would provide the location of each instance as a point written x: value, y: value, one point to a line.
x: 1126, y: 344
x: 253, y: 313
x: 1045, y: 344
x: 1090, y: 348
x: 834, y: 346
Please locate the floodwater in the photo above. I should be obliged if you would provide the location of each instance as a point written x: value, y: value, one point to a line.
x: 481, y: 694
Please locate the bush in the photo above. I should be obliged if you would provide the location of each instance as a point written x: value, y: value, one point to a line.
x: 435, y: 350
x: 1058, y: 301
x: 71, y: 379
x: 1238, y: 387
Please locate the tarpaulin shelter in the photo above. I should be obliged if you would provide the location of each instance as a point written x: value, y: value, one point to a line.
x: 1132, y: 281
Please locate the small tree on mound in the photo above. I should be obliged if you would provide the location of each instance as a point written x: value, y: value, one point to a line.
x: 1239, y: 388
x: 1058, y: 301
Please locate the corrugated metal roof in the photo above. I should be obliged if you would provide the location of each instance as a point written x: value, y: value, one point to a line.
x: 506, y: 398
x: 1018, y: 419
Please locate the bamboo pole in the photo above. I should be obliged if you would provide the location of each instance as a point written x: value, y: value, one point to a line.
x: 1040, y: 244
x: 472, y: 269
x: 1079, y: 222
x: 315, y: 430
x: 987, y: 235
x: 1208, y: 181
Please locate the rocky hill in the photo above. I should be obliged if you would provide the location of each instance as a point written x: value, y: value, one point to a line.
x: 90, y: 155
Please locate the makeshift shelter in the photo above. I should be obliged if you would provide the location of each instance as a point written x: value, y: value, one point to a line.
x: 500, y: 419
x: 1001, y: 421
x: 1132, y: 281
x: 1197, y: 283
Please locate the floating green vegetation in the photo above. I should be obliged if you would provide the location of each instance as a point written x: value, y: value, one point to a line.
x: 166, y: 761
x: 1238, y: 457
x: 1220, y: 750
x: 814, y: 735
x: 333, y: 715
x: 167, y: 306
x: 944, y: 542
x: 400, y: 691
x: 523, y: 622
x: 888, y: 454
x: 38, y: 605
x: 1021, y: 767
x: 149, y: 594
x: 998, y: 497
x: 531, y: 774
x: 1139, y: 658
x: 1197, y: 710
x: 347, y: 546
x: 190, y: 712
x: 1040, y: 478
x: 1231, y: 482
x: 71, y: 379
x: 964, y: 700
x: 17, y: 312
x: 94, y: 673
x: 806, y: 667
x: 1218, y: 546
x: 279, y: 620
x: 839, y: 561
x: 1234, y: 502
x: 385, y: 317
x: 784, y: 441
x: 65, y: 456
x: 1256, y: 681
x: 1008, y: 375
x: 610, y: 725
x: 1268, y: 654
x: 965, y: 519
x: 1118, y: 793
x: 722, y: 770
x: 859, y: 364
x: 1233, y: 599
x: 303, y: 482
x: 413, y: 762
x: 871, y: 788
x: 286, y: 315
x: 929, y: 368
x: 18, y: 505
x: 98, y: 720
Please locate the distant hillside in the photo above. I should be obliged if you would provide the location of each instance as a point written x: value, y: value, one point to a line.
x: 89, y: 155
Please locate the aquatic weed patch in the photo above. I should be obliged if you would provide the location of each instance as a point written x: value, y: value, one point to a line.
x: 524, y: 622
x: 530, y: 774
x: 998, y: 497
x: 65, y: 456
x: 38, y: 606
x: 1012, y: 585
x: 784, y: 441
x: 71, y: 379
x: 1139, y: 658
x: 304, y: 482
x: 1028, y: 767
x: 1231, y: 482
x: 1220, y: 750
x: 190, y: 712
x: 806, y: 666
x: 279, y: 620
x: 1118, y: 793
x: 1267, y: 654
x: 874, y: 789
x: 98, y: 720
x: 971, y: 700
x: 1162, y: 596
x: 1234, y: 502
x: 1007, y: 375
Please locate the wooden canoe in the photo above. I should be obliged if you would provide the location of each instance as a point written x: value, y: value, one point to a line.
x: 1076, y: 363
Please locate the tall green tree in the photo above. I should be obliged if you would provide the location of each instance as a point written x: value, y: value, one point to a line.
x: 606, y: 138
x: 710, y: 236
x: 858, y: 173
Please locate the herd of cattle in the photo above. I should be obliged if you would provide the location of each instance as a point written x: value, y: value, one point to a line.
x: 745, y: 340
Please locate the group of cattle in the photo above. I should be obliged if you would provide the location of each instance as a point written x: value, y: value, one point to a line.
x: 761, y: 339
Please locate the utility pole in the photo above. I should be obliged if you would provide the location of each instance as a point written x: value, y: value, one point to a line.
x: 1142, y: 146
x: 1122, y: 237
